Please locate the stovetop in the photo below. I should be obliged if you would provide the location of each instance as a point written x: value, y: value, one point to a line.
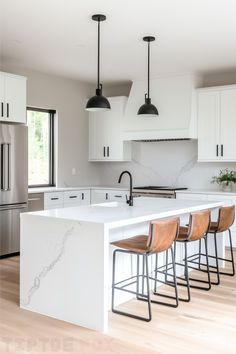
x: 163, y: 188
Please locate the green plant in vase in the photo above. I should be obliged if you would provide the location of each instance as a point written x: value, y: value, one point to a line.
x: 225, y: 179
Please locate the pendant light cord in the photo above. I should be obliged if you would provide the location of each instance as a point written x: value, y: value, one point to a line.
x: 98, y: 83
x: 148, y: 69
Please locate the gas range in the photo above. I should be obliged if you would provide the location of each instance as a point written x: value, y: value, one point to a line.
x: 156, y: 191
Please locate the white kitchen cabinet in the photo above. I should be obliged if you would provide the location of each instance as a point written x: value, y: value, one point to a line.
x: 99, y: 196
x: 228, y: 124
x: 107, y: 195
x: 12, y: 98
x: 105, y: 133
x: 76, y: 198
x: 118, y: 196
x: 53, y: 200
x: 217, y: 124
x: 66, y: 199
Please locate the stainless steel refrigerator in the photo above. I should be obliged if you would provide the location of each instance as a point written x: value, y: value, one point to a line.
x: 13, y: 184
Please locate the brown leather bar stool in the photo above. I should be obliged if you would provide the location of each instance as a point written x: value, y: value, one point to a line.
x: 162, y: 234
x: 225, y: 221
x: 197, y: 229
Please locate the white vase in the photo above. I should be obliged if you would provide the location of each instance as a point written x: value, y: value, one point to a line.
x: 226, y: 187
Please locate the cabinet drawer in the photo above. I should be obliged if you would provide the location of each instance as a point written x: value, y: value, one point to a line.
x: 119, y: 196
x: 99, y: 196
x: 54, y: 198
x: 77, y: 197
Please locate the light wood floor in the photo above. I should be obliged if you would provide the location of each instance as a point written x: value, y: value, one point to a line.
x: 205, y: 325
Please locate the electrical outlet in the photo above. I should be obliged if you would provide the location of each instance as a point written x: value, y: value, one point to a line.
x: 73, y: 171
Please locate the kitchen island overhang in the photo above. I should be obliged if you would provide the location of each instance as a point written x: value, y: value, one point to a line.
x: 65, y: 264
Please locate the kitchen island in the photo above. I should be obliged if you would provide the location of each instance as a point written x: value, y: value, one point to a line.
x: 65, y: 265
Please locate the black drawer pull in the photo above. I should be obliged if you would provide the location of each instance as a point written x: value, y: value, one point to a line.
x: 82, y: 196
x: 54, y: 198
x: 106, y: 196
x: 104, y: 151
x: 118, y: 196
x: 217, y: 150
x: 2, y: 109
x: 222, y: 150
x: 73, y: 196
x: 7, y: 110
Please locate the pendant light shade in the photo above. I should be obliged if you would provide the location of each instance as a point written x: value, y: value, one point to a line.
x: 98, y: 102
x: 148, y: 109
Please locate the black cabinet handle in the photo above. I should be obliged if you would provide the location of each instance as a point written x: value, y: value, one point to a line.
x: 108, y: 151
x: 82, y: 196
x: 217, y: 150
x: 104, y: 151
x: 1, y: 109
x: 106, y: 196
x: 7, y: 110
x: 54, y: 198
x: 118, y: 196
x: 222, y: 150
x: 73, y: 196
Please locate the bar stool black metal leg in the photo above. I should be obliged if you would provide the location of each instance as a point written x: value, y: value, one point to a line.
x: 232, y: 253
x: 145, y: 297
x: 113, y: 280
x: 200, y: 251
x: 174, y: 273
x: 217, y: 262
x: 186, y: 272
x: 166, y: 266
x: 207, y: 263
x: 137, y: 287
x: 156, y: 265
x: 148, y: 290
x: 143, y: 275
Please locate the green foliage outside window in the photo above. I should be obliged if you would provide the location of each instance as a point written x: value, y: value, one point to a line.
x: 38, y: 147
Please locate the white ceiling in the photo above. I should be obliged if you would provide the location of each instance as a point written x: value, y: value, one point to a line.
x: 59, y: 37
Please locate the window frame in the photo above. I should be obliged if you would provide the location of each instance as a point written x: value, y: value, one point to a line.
x: 51, y: 113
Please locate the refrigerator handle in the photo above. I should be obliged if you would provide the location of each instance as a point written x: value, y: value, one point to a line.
x: 8, y: 166
x: 5, y: 167
x: 2, y: 168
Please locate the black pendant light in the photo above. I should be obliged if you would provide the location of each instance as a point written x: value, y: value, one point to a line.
x: 98, y: 102
x: 148, y: 109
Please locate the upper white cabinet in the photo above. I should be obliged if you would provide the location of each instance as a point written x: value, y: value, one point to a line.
x: 217, y: 123
x: 12, y: 98
x: 105, y: 133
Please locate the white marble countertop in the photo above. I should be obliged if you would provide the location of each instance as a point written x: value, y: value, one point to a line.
x: 64, y: 189
x: 116, y: 214
x: 207, y: 191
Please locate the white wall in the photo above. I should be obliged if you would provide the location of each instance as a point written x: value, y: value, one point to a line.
x: 68, y: 98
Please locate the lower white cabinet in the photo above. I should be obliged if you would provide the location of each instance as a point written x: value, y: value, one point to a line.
x: 226, y: 199
x: 103, y: 196
x: 55, y: 200
x: 73, y: 198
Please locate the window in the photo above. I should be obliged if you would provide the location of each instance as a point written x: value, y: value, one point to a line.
x: 40, y: 147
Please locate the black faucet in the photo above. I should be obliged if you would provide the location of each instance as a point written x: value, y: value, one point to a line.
x: 130, y: 200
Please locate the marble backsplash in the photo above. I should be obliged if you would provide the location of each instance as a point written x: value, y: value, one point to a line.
x: 172, y: 163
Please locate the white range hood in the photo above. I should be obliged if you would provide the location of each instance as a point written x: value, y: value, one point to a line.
x: 175, y: 99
